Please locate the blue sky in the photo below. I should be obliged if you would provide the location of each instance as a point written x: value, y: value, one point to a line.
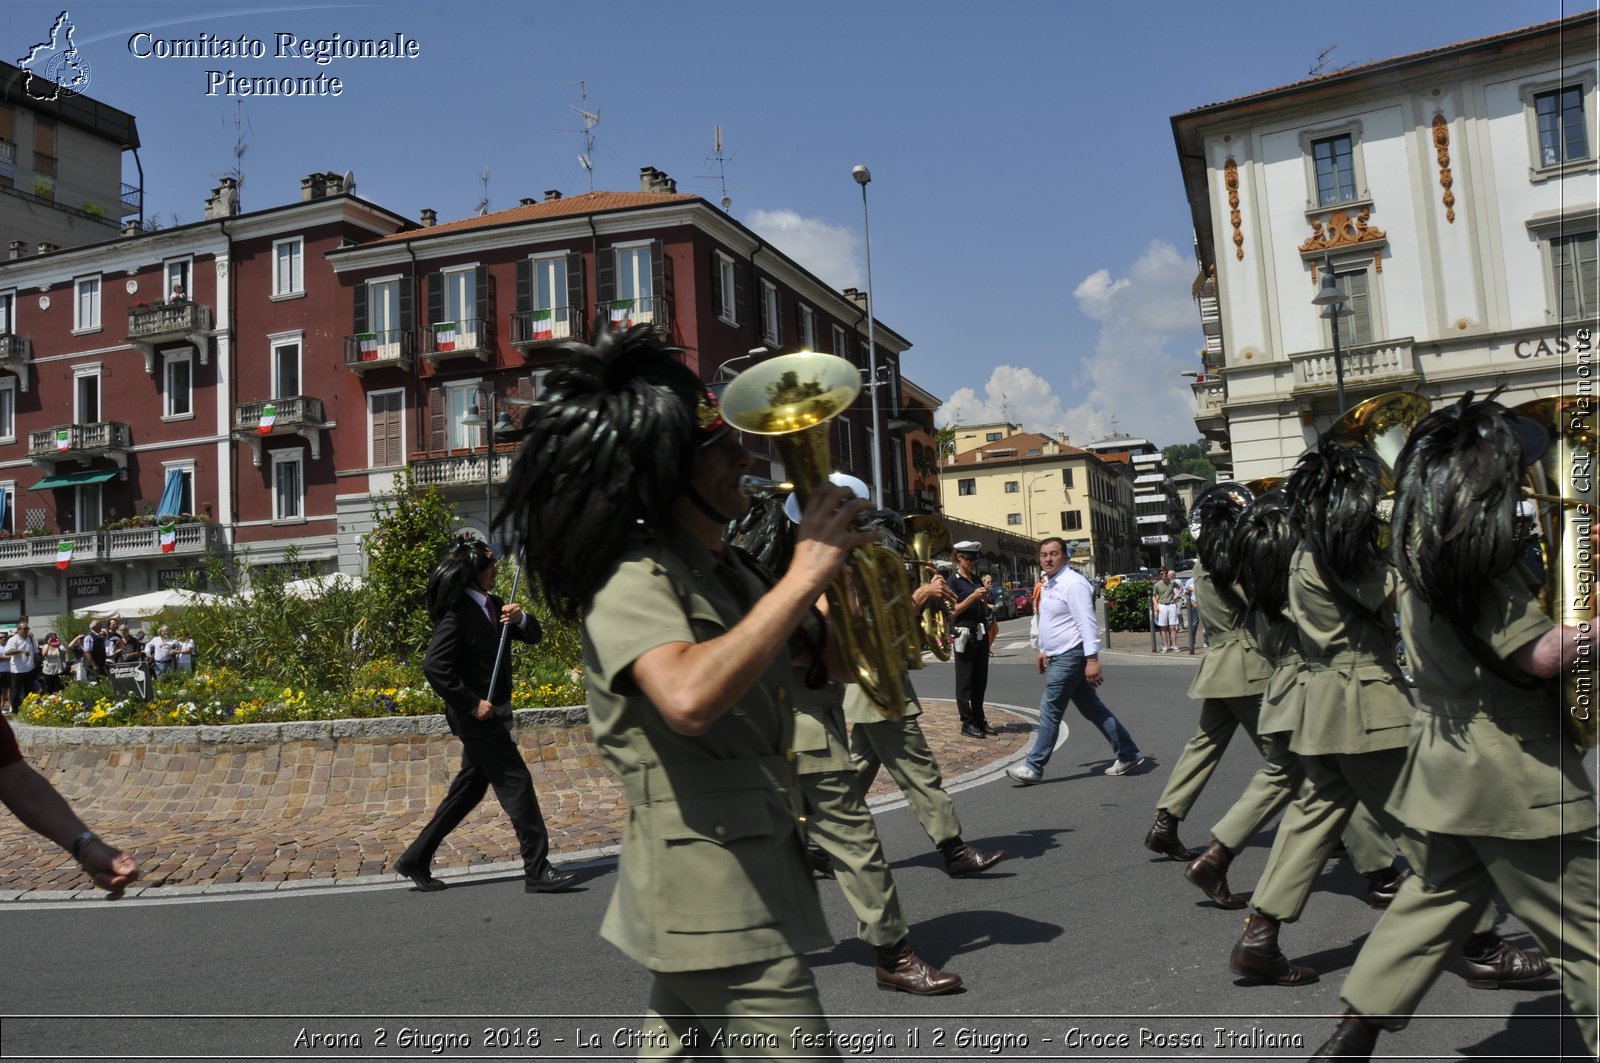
x: 1029, y: 232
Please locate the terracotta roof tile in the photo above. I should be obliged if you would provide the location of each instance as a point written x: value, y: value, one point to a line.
x: 1022, y: 442
x: 584, y: 203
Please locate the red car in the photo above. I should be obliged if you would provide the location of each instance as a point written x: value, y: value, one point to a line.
x: 1024, y: 601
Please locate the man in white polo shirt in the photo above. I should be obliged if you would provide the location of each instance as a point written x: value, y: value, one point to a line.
x: 1069, y: 659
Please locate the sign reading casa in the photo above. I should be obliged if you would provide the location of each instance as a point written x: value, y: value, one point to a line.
x: 1552, y: 346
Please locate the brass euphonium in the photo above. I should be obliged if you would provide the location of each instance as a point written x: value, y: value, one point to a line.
x: 1562, y: 486
x: 1380, y: 425
x: 926, y: 538
x: 792, y: 397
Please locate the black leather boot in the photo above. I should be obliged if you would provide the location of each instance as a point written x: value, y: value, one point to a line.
x: 1354, y: 1039
x: 1258, y: 958
x: 1163, y: 838
x: 1489, y: 962
x: 961, y: 859
x: 903, y: 971
x: 821, y: 863
x: 1383, y: 885
x: 1209, y: 871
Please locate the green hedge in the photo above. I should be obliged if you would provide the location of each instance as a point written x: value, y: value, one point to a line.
x: 1128, y: 607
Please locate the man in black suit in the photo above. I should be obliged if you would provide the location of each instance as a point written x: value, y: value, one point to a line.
x: 460, y: 664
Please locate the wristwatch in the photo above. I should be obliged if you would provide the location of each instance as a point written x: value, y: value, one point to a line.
x: 80, y: 841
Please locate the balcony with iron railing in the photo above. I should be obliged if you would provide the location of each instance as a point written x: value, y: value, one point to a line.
x: 385, y: 349
x: 180, y: 321
x: 641, y: 310
x: 1368, y: 366
x: 16, y: 356
x: 287, y: 415
x: 532, y: 329
x: 459, y: 473
x: 81, y: 442
x: 465, y: 338
x: 132, y: 199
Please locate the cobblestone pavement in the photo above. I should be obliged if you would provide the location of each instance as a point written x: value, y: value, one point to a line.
x: 248, y: 827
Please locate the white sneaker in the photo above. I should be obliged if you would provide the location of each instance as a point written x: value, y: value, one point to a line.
x: 1122, y: 767
x: 1023, y: 774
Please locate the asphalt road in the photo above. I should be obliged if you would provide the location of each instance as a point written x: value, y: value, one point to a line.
x: 1081, y: 945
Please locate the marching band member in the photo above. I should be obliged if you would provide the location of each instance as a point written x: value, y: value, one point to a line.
x: 618, y: 500
x: 1499, y: 793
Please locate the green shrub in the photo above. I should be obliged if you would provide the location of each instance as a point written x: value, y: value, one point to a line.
x: 1128, y: 606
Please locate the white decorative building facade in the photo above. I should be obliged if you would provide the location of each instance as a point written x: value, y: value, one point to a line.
x: 1455, y: 195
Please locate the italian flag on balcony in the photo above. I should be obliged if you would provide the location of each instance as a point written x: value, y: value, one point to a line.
x: 368, y: 343
x: 542, y: 325
x: 269, y: 414
x: 64, y: 553
x: 621, y: 313
x: 169, y: 536
x: 444, y: 336
x: 63, y: 440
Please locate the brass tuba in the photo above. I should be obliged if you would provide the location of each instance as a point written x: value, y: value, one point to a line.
x: 926, y: 538
x: 1380, y: 425
x: 792, y: 397
x: 1565, y: 516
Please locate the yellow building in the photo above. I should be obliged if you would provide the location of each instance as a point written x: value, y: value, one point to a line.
x: 1033, y: 486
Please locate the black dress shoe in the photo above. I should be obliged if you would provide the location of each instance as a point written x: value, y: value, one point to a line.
x: 1355, y: 1038
x: 990, y: 729
x: 420, y: 877
x: 970, y: 730
x: 961, y: 859
x: 1163, y: 838
x: 550, y: 881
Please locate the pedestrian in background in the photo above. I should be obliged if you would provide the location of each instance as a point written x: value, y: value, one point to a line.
x: 969, y: 623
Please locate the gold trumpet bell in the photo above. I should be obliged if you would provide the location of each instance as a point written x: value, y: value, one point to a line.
x: 926, y: 538
x: 792, y: 397
x: 1381, y: 425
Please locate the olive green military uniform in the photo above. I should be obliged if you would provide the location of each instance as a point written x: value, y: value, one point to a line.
x: 1348, y: 725
x: 1249, y: 648
x: 714, y: 895
x: 838, y: 818
x: 1504, y: 803
x: 900, y: 746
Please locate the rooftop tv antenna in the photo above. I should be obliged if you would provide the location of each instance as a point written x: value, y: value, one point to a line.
x: 483, y: 204
x: 590, y: 120
x: 721, y: 176
x: 1324, y: 57
x: 241, y: 126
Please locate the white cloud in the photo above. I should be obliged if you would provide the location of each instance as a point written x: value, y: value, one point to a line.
x: 832, y: 252
x: 1148, y: 332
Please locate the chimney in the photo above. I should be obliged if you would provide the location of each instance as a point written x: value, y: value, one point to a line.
x: 856, y: 295
x: 313, y: 186
x: 131, y: 227
x: 653, y: 180
x: 45, y: 248
x: 526, y: 201
x: 224, y: 199
x: 552, y: 194
x: 19, y: 249
x: 334, y: 182
x: 430, y: 217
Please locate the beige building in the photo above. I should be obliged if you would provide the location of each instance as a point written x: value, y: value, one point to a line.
x: 1033, y: 486
x: 972, y: 436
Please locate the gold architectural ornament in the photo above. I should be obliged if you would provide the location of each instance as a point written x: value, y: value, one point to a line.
x: 1441, y: 151
x: 1340, y: 230
x: 1230, y: 178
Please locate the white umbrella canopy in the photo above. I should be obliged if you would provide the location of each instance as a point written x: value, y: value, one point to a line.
x: 317, y: 586
x: 148, y: 604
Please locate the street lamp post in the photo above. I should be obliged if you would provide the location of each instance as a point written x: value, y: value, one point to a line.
x: 863, y: 176
x: 1331, y: 299
x: 474, y: 418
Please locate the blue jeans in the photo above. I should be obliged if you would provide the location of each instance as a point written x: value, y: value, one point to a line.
x: 1063, y: 681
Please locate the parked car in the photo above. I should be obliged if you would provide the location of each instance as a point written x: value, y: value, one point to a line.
x: 1024, y: 602
x: 1113, y: 582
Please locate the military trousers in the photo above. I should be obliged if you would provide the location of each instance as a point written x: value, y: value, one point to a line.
x: 1551, y: 884
x: 900, y: 746
x: 1220, y: 720
x: 840, y: 823
x: 753, y: 1010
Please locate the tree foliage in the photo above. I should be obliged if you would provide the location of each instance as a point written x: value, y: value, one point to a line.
x: 1191, y: 458
x: 1128, y: 606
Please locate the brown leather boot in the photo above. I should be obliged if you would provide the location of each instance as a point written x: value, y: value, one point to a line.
x: 1257, y: 958
x: 1163, y: 838
x: 1383, y: 885
x: 961, y: 859
x: 1209, y: 871
x: 901, y: 970
x: 1355, y: 1038
x: 1489, y: 962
